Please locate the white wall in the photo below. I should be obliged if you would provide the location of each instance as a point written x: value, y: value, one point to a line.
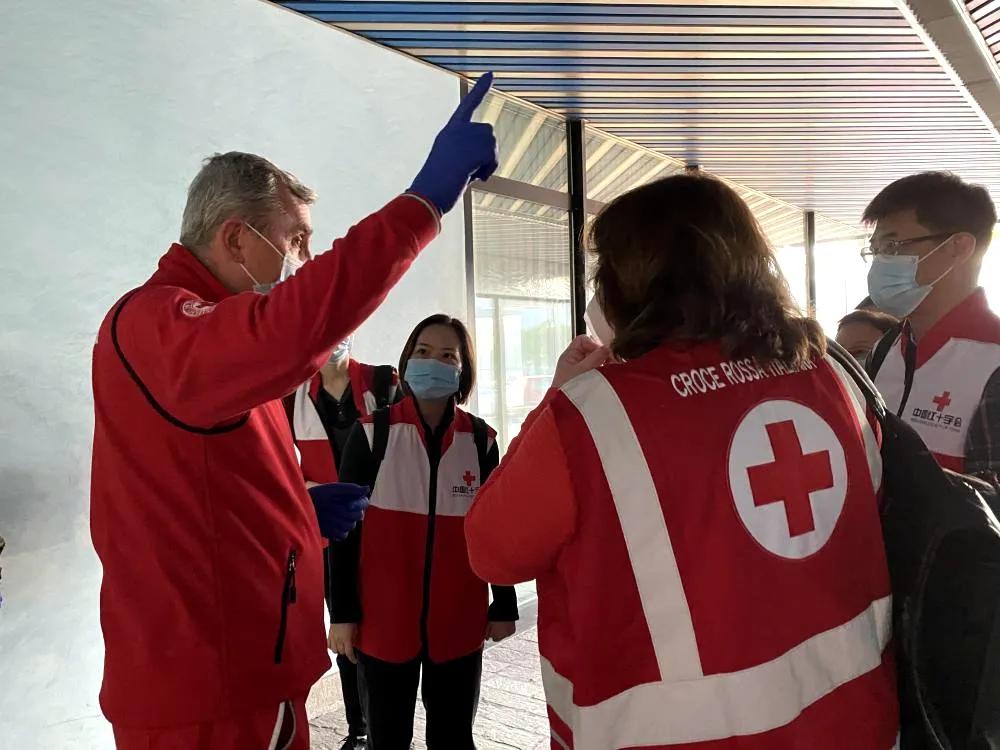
x: 109, y: 106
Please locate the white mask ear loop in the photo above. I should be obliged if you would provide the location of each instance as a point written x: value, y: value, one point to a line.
x: 250, y: 275
x: 950, y: 268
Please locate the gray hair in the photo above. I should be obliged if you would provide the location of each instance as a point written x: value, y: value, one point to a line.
x: 240, y: 185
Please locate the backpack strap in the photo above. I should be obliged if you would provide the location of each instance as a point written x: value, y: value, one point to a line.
x: 881, y: 350
x: 480, y: 434
x: 380, y: 438
x: 382, y: 384
x: 860, y: 377
x: 909, y: 367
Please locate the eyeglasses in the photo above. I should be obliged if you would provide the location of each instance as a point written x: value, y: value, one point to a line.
x: 892, y: 247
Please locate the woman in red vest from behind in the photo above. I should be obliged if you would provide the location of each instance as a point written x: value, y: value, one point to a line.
x: 405, y: 602
x: 700, y: 512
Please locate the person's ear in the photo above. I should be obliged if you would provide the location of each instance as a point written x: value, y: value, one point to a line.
x: 963, y: 246
x: 232, y: 238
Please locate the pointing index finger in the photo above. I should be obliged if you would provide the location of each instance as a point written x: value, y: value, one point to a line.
x: 472, y: 100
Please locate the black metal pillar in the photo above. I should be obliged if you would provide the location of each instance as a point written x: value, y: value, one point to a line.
x: 809, y: 238
x: 577, y: 164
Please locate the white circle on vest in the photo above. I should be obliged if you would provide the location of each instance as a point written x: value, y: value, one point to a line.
x: 788, y: 477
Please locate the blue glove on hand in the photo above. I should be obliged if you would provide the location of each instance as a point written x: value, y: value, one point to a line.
x: 463, y: 151
x: 339, y: 506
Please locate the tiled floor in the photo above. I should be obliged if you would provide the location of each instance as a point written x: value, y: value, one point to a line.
x: 511, y: 706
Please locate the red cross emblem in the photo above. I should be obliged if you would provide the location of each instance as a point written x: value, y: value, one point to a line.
x: 942, y: 401
x: 791, y: 477
x: 468, y: 477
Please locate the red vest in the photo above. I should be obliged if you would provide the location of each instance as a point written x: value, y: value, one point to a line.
x: 394, y: 543
x: 730, y: 586
x: 307, y: 427
x: 954, y: 361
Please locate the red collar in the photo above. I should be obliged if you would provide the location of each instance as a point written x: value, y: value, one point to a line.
x: 179, y: 267
x: 971, y: 318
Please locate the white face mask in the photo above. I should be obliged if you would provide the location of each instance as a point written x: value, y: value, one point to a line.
x: 892, y: 282
x: 289, y: 266
x: 598, y: 323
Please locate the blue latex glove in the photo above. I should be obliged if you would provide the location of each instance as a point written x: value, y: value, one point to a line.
x: 463, y: 151
x: 339, y: 506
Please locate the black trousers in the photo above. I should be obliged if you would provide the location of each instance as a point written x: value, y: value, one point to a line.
x: 450, y: 693
x: 356, y: 724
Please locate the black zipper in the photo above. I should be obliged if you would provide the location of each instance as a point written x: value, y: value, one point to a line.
x: 434, y: 455
x: 288, y: 596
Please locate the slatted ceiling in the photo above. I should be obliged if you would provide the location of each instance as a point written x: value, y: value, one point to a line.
x: 986, y: 14
x: 816, y: 103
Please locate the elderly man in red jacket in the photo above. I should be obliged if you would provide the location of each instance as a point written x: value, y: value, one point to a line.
x: 212, y: 598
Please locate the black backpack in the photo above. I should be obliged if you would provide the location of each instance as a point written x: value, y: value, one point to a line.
x: 943, y: 548
x: 382, y: 385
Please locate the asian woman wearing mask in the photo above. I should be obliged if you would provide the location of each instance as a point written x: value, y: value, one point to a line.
x: 404, y: 597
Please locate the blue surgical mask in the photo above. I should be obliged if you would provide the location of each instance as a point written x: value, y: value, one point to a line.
x: 432, y: 379
x: 892, y: 282
x: 289, y: 266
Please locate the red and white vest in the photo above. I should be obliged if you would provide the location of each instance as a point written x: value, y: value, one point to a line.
x: 954, y: 361
x: 311, y: 439
x: 394, y: 544
x: 726, y: 586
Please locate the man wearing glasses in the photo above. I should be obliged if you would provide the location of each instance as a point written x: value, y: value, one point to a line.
x: 940, y: 370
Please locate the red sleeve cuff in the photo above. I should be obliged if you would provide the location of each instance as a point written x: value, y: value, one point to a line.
x: 429, y: 207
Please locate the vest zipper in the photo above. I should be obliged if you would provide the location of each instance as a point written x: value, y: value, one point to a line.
x: 434, y: 454
x: 288, y: 596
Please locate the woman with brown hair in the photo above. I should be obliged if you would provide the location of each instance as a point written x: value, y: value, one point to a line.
x: 708, y: 552
x: 404, y: 600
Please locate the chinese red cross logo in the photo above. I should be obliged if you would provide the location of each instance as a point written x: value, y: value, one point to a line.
x: 942, y: 401
x: 468, y: 477
x: 791, y: 477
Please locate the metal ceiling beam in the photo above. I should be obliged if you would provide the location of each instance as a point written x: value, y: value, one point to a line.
x: 950, y: 32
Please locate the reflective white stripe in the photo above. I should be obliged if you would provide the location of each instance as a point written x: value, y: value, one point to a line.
x: 860, y: 406
x: 643, y: 525
x: 758, y: 699
x: 461, y: 460
x: 306, y: 422
x: 404, y: 491
x: 276, y: 734
x: 558, y: 740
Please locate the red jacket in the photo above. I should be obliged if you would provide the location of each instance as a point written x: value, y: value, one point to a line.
x: 212, y: 597
x: 709, y: 556
x: 310, y: 435
x: 382, y: 577
x: 954, y: 396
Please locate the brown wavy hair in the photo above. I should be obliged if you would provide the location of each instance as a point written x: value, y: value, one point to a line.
x: 683, y: 259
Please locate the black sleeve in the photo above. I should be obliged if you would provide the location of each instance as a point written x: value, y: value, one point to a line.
x: 343, y: 600
x: 982, y: 443
x: 504, y: 605
x: 491, y: 462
